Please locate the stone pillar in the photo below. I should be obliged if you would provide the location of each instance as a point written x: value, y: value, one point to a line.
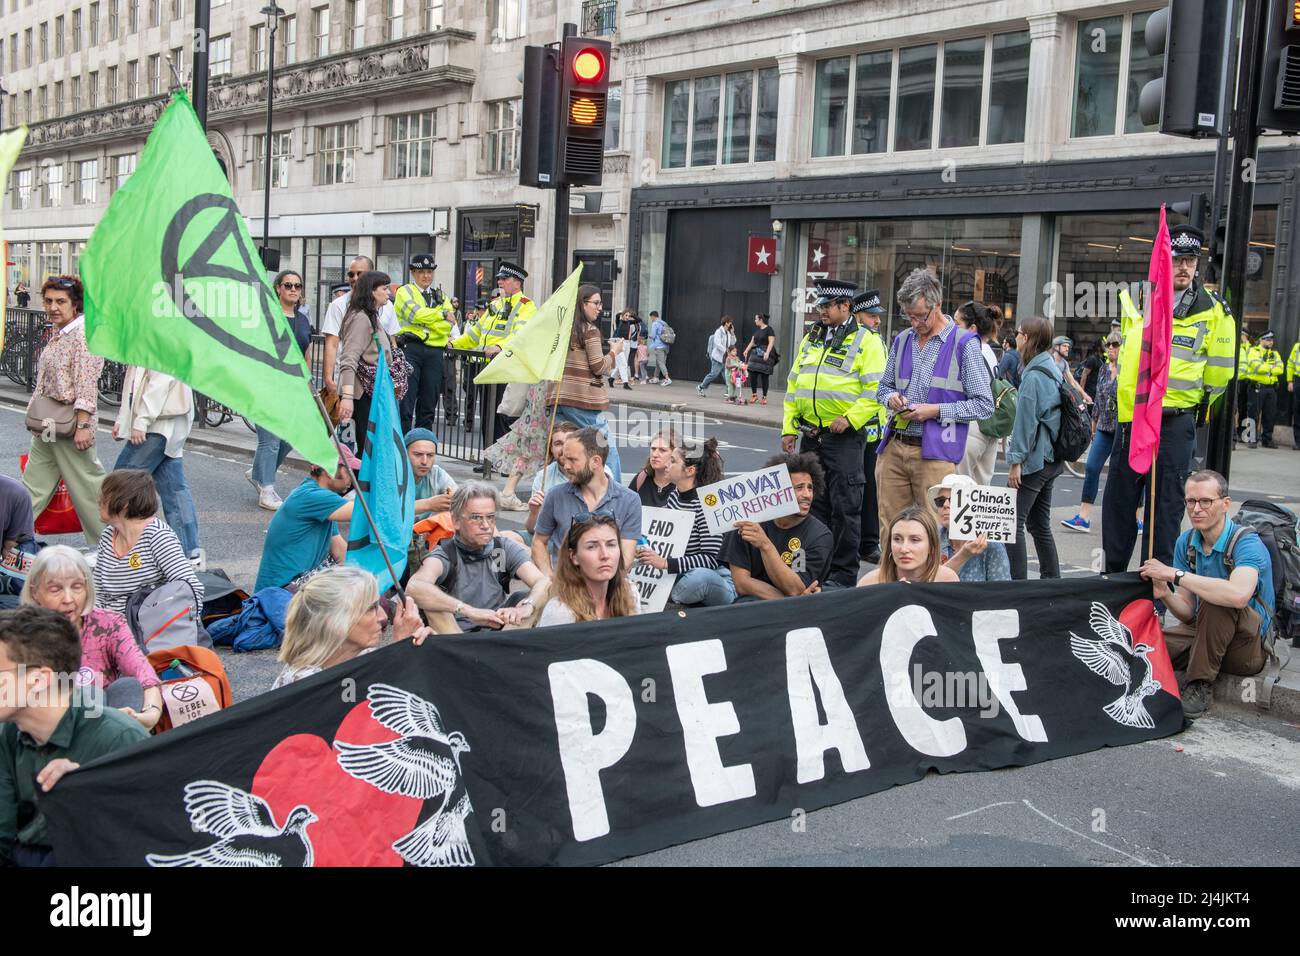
x: 1046, y: 122
x: 642, y: 144
x: 1037, y: 237
x: 790, y: 131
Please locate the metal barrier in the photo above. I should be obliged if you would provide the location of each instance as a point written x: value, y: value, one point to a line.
x: 460, y: 434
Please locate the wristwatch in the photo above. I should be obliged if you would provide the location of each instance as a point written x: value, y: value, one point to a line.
x: 459, y: 607
x: 1178, y: 577
x: 84, y: 425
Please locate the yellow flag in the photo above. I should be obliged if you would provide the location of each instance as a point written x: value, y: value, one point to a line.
x: 536, y: 354
x: 10, y: 145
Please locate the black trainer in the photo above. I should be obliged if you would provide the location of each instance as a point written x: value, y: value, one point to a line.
x: 1198, y: 695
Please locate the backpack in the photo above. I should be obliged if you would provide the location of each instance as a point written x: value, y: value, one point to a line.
x: 1074, y: 435
x: 666, y: 335
x: 194, y: 684
x: 1003, y: 419
x: 221, y: 597
x: 1279, y: 529
x: 451, y: 555
x: 165, y: 617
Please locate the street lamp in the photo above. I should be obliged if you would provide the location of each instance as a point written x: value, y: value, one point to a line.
x: 273, y: 14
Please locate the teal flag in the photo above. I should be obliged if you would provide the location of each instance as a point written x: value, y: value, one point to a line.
x: 174, y: 283
x: 387, y: 484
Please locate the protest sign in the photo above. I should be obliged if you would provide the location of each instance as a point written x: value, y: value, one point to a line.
x: 755, y: 496
x: 628, y: 735
x: 668, y: 532
x: 982, y: 509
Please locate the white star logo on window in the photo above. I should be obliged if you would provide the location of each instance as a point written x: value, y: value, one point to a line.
x: 762, y: 255
x: 819, y: 254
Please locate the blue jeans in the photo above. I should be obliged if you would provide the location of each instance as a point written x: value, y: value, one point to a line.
x: 586, y: 418
x: 1098, y: 454
x: 708, y: 586
x: 715, y: 372
x: 173, y: 489
x: 270, y: 455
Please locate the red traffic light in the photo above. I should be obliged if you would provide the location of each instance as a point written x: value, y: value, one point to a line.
x: 589, y: 66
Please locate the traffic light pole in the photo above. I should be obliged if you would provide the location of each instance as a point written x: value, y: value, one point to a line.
x: 1241, y: 201
x: 560, y: 235
x: 199, y: 62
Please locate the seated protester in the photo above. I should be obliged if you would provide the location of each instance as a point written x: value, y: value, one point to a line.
x: 468, y: 575
x: 591, y: 582
x: 46, y: 728
x: 913, y: 555
x: 1220, y: 587
x: 111, y: 659
x: 303, y: 536
x: 589, y: 490
x: 551, y: 475
x: 17, y: 534
x: 335, y: 616
x: 976, y: 560
x: 701, y: 578
x: 652, y: 482
x: 786, y: 556
x: 138, y: 551
x: 433, y: 486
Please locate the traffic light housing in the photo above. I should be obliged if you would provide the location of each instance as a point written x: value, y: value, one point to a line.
x: 1279, y: 103
x: 1190, y: 97
x: 539, y: 124
x: 584, y: 100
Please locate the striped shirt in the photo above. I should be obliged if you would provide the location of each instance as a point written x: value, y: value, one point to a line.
x: 156, y: 559
x: 583, y: 384
x: 703, y: 547
x: 974, y: 374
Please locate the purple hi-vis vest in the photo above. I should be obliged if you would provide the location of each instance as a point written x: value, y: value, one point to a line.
x: 939, y: 440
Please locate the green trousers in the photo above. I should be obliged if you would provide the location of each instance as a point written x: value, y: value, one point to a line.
x: 48, y: 461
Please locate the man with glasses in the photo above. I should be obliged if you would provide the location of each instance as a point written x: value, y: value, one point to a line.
x: 589, y: 490
x: 468, y: 576
x: 1220, y: 587
x: 338, y: 307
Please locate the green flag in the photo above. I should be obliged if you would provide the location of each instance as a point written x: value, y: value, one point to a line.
x: 537, y: 353
x: 174, y: 283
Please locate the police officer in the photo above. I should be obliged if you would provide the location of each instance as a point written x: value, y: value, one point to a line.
x: 829, y: 400
x: 1200, y: 367
x: 867, y: 310
x: 425, y: 317
x: 506, y: 315
x: 1292, y: 373
x: 1262, y: 369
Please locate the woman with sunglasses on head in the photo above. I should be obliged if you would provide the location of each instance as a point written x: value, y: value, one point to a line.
x: 977, y: 559
x: 62, y: 412
x: 981, y: 451
x: 582, y: 395
x: 913, y: 554
x: 336, y: 616
x: 1029, y: 452
x: 359, y: 353
x: 702, y: 579
x: 591, y: 582
x: 272, y: 451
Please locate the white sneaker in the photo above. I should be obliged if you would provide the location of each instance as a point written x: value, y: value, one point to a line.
x: 249, y: 475
x: 512, y: 503
x: 666, y: 382
x: 268, y: 500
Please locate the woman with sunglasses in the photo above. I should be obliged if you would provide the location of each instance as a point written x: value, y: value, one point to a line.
x: 336, y: 616
x: 1105, y: 415
x: 582, y: 395
x: 976, y: 560
x: 701, y: 577
x: 591, y: 582
x: 63, y: 409
x: 913, y: 554
x: 272, y: 451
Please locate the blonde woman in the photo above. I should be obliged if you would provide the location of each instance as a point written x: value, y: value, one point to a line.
x: 591, y: 582
x: 335, y: 616
x: 111, y: 660
x: 913, y: 554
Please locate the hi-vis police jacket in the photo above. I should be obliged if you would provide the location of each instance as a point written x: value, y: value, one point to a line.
x: 1201, y: 359
x: 835, y: 373
x: 431, y: 324
x: 1293, y: 364
x: 503, y: 319
x: 1262, y: 366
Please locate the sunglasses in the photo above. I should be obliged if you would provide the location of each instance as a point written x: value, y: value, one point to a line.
x: 62, y: 282
x: 355, y: 275
x: 600, y: 515
x: 940, y: 502
x: 290, y: 285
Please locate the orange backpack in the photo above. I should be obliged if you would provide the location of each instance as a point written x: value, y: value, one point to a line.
x: 201, y: 687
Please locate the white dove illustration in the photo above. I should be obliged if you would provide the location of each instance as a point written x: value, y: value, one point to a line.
x: 414, y: 766
x: 245, y: 827
x: 1112, y: 658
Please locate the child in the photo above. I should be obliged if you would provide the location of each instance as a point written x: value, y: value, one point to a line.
x: 737, y: 374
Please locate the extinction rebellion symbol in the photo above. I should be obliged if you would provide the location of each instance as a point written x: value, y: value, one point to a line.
x: 185, y: 692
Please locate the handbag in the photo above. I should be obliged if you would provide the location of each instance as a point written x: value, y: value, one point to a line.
x: 59, y: 516
x: 44, y: 412
x: 398, y: 368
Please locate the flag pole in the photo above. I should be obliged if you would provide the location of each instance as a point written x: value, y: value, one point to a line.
x: 1151, y: 504
x: 361, y: 500
x: 550, y: 432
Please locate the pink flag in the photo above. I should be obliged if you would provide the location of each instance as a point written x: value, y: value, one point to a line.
x: 1153, y: 368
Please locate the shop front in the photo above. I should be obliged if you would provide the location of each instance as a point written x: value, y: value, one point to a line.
x: 487, y: 237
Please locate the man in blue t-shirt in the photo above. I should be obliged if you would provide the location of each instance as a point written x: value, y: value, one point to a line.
x: 303, y: 535
x: 1225, y: 601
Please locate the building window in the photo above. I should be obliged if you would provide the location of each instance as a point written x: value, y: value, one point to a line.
x: 336, y: 146
x: 13, y: 52
x: 76, y: 30
x: 53, y: 176
x: 1142, y: 67
x: 110, y: 86
x: 599, y: 17
x: 431, y: 15
x: 23, y: 188
x: 58, y: 36
x: 354, y: 25
x: 92, y: 89
x: 289, y: 40
x: 43, y: 102
x: 257, y: 48
x: 219, y: 62
x: 84, y: 191
x: 155, y: 12
x: 1008, y: 88
x: 502, y: 140
x: 27, y: 47
x: 45, y: 42
x: 178, y: 9
x: 132, y: 79
x: 916, y: 73
x: 614, y: 119
x: 177, y: 62
x: 76, y: 94
x: 410, y: 145
x: 508, y: 18
x: 743, y: 104
x: 320, y: 30
x: 871, y: 92
x: 704, y: 121
x: 677, y: 118
x: 831, y: 107
x: 27, y: 109
x: 963, y: 92
x: 94, y: 24
x: 123, y: 167
x: 1096, y: 78
x: 58, y: 98
x: 280, y: 153
x: 132, y: 16
x: 394, y: 16
x: 114, y: 19
x: 155, y: 74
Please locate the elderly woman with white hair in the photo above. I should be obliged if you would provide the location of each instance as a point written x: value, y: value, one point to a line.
x: 111, y: 659
x: 336, y: 616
